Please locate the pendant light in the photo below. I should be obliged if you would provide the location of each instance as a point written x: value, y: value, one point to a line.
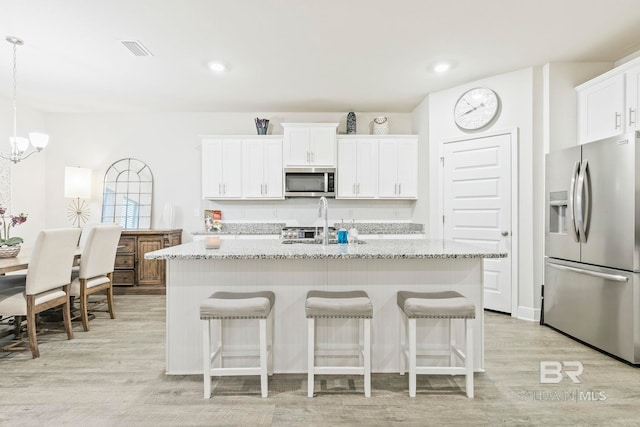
x: 19, y: 145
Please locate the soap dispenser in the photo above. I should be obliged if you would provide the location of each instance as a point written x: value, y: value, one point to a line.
x: 342, y: 235
x: 353, y: 232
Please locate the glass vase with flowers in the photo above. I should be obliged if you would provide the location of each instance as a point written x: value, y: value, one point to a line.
x: 9, y: 246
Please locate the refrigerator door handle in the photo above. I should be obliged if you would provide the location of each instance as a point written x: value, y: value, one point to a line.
x: 572, y: 191
x: 586, y: 175
x: 612, y: 277
x: 580, y: 215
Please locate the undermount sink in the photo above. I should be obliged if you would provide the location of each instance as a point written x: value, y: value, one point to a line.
x: 316, y: 242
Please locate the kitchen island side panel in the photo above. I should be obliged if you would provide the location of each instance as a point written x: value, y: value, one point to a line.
x: 190, y: 281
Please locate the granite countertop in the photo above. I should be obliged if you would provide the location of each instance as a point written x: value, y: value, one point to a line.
x: 372, y: 249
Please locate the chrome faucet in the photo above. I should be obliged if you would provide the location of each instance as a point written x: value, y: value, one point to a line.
x: 324, y: 206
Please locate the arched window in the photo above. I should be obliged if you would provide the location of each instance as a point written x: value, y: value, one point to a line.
x: 128, y: 193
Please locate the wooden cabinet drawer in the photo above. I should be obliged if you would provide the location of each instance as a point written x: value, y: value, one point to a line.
x: 135, y: 275
x: 124, y: 278
x: 175, y: 240
x: 127, y: 244
x: 125, y: 261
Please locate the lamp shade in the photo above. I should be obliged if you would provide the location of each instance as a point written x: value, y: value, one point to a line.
x: 39, y: 140
x: 19, y: 144
x: 77, y: 182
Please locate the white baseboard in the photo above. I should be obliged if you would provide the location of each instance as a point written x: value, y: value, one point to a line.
x: 528, y: 313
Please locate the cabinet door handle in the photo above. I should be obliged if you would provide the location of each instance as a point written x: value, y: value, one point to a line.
x: 353, y: 191
x: 313, y: 157
x: 219, y: 188
x: 400, y: 188
x: 632, y: 112
x: 618, y: 117
x: 395, y: 188
x: 358, y: 188
x: 265, y: 190
x: 261, y: 189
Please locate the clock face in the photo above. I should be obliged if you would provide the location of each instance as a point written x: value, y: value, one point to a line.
x: 476, y: 108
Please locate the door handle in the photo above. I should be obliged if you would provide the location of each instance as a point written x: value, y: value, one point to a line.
x: 618, y: 117
x: 395, y: 188
x: 612, y: 277
x: 358, y: 187
x: 582, y: 216
x: 504, y: 233
x: 632, y: 112
x: 266, y: 191
x: 400, y: 188
x: 353, y: 191
x: 572, y: 190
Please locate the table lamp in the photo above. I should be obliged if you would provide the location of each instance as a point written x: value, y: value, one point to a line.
x: 77, y: 185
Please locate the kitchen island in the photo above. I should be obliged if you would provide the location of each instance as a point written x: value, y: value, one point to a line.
x: 379, y: 267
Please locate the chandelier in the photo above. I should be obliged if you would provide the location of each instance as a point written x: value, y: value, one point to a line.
x: 19, y: 145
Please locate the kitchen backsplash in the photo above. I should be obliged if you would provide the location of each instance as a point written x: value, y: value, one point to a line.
x: 257, y: 228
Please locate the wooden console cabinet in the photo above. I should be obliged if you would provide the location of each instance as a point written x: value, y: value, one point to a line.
x: 135, y: 275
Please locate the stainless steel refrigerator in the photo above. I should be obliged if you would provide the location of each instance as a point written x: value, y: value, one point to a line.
x: 592, y: 244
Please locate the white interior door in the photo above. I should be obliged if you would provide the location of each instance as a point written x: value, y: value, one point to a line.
x: 477, y: 206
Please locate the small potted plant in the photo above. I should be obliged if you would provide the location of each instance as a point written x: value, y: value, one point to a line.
x: 9, y: 246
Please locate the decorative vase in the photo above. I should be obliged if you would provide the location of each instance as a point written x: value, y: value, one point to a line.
x: 351, y: 123
x: 9, y: 251
x: 262, y: 125
x: 380, y: 125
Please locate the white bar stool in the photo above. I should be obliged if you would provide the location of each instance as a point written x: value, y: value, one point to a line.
x: 237, y: 305
x: 344, y: 305
x: 436, y: 305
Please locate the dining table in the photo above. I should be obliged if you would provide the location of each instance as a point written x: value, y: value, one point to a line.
x: 21, y: 261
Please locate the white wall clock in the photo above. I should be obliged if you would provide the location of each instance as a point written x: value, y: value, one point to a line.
x: 476, y: 108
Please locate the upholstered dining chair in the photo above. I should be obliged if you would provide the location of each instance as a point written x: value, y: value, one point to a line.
x: 46, y: 283
x: 96, y: 267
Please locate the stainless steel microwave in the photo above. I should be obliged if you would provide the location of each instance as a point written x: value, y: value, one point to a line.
x: 310, y: 182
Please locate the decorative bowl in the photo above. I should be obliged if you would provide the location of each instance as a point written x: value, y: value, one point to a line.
x: 9, y: 251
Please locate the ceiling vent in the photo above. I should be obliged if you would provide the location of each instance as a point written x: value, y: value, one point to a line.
x: 136, y: 48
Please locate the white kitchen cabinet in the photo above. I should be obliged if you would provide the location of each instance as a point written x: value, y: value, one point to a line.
x: 357, y: 168
x: 398, y: 168
x: 221, y: 169
x: 601, y: 108
x: 242, y: 167
x: 309, y: 144
x: 608, y: 104
x: 262, y: 169
x: 632, y: 80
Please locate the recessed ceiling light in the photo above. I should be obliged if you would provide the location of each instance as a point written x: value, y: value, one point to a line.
x: 441, y: 67
x: 217, y: 67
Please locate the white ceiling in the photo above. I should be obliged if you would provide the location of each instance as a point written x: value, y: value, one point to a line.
x: 291, y: 55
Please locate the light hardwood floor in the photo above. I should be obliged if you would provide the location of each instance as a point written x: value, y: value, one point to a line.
x: 113, y: 375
